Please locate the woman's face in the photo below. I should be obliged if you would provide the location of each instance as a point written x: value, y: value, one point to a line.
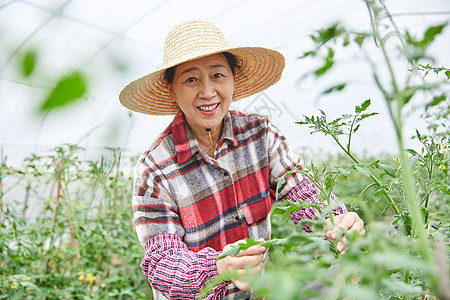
x: 203, y: 89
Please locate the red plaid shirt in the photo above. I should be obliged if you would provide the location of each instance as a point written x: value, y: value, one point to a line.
x: 188, y: 206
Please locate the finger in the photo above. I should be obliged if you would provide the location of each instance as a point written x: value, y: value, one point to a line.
x: 347, y: 221
x: 250, y: 270
x: 253, y: 250
x: 243, y: 262
x: 358, y: 226
x: 340, y: 247
x: 242, y: 285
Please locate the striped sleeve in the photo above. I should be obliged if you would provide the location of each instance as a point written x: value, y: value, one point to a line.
x: 177, y: 272
x: 307, y: 190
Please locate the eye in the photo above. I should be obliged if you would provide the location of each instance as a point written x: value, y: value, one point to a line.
x: 191, y: 79
x: 217, y: 75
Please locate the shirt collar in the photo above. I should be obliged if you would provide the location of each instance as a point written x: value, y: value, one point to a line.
x: 186, y: 145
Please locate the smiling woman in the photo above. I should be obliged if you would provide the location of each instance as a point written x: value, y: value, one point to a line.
x: 203, y: 89
x: 209, y: 180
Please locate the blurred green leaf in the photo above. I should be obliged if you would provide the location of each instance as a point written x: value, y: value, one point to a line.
x: 401, y: 287
x: 362, y: 170
x: 327, y: 64
x: 429, y: 36
x: 360, y: 293
x: 335, y: 88
x: 431, y: 33
x: 324, y: 35
x: 28, y: 62
x: 359, y: 39
x: 400, y: 259
x: 67, y: 90
x: 436, y: 100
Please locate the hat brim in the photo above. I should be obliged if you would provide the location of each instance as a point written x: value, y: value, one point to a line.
x: 259, y: 69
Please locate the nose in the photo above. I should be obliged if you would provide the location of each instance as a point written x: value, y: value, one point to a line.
x: 207, y: 89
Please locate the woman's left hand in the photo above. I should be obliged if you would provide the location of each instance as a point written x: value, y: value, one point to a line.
x: 348, y: 222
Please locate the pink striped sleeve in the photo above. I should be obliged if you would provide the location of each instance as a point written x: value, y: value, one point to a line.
x: 307, y: 190
x: 177, y: 272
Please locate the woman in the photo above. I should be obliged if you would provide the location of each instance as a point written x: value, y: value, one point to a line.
x: 208, y: 180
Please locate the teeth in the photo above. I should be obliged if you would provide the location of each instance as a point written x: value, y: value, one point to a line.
x: 207, y: 108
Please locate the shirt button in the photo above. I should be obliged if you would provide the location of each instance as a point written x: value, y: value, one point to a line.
x: 237, y: 218
x: 225, y: 174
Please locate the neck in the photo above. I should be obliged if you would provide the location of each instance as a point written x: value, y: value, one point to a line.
x: 204, y: 139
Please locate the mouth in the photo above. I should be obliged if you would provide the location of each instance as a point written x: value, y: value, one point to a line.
x: 208, y: 108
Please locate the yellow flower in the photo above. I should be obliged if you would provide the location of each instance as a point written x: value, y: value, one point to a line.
x: 415, y: 172
x: 15, y: 283
x: 25, y: 278
x: 81, y: 278
x: 48, y: 200
x: 442, y: 167
x: 90, y: 278
x: 444, y: 147
x: 395, y: 158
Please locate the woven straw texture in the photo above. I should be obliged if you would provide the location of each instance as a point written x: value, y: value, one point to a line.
x: 260, y: 68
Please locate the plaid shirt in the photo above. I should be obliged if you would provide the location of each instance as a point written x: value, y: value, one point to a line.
x: 188, y: 206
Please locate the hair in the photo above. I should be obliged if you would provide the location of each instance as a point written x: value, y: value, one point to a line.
x: 232, y: 60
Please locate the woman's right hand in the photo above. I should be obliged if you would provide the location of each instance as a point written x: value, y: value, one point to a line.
x: 246, y: 261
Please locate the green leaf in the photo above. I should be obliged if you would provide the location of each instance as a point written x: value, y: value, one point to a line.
x: 30, y: 285
x: 411, y: 151
x: 445, y: 190
x: 359, y: 39
x: 447, y: 73
x: 18, y: 294
x: 360, y: 292
x: 362, y: 170
x: 430, y: 34
x: 28, y: 62
x: 364, y: 116
x: 363, y: 107
x: 385, y: 168
x: 401, y: 287
x: 324, y: 35
x: 249, y: 242
x: 309, y: 53
x: 233, y: 251
x: 67, y: 90
x: 328, y: 63
x: 399, y: 259
x: 335, y: 88
x: 436, y: 100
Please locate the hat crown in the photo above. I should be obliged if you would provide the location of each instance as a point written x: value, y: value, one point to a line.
x: 192, y: 39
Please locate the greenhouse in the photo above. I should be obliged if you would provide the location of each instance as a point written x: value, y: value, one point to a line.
x: 235, y: 150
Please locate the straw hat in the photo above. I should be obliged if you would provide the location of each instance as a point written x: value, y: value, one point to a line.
x: 260, y: 68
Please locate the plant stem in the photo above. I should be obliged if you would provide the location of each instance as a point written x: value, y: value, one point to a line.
x: 409, y: 185
x: 377, y: 182
x: 116, y: 180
